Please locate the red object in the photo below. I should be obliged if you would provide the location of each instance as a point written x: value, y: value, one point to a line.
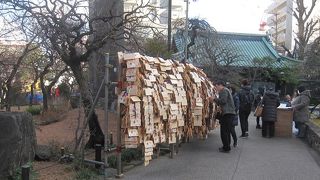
x: 57, y: 92
x: 262, y: 25
x: 118, y: 149
x: 120, y: 84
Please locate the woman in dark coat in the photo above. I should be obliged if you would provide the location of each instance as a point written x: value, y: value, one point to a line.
x: 270, y: 102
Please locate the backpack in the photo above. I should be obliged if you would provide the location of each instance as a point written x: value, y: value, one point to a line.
x: 246, y: 100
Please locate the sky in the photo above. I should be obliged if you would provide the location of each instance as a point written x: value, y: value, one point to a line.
x: 243, y: 16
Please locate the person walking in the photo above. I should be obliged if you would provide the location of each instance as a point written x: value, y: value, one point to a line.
x: 236, y: 117
x: 246, y: 98
x: 300, y: 106
x: 270, y: 102
x: 225, y: 101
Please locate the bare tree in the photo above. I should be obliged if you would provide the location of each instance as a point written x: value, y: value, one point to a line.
x: 71, y: 33
x: 10, y: 68
x: 306, y: 25
x: 219, y: 56
x: 43, y: 65
x: 23, y: 42
x: 212, y: 52
x: 312, y: 63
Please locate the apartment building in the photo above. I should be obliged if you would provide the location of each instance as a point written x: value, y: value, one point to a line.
x: 282, y: 25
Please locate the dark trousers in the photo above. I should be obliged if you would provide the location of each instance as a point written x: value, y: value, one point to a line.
x: 258, y: 120
x: 243, y: 115
x: 267, y: 128
x: 225, y: 130
x: 233, y: 134
x: 301, y: 129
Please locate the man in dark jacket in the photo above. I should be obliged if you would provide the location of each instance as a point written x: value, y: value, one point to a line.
x: 225, y: 101
x: 246, y: 98
x: 270, y: 102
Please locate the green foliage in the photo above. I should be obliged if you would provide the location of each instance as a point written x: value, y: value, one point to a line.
x: 86, y: 173
x: 157, y: 47
x: 287, y: 75
x: 112, y: 161
x: 18, y: 172
x: 64, y: 90
x: 127, y: 155
x: 34, y: 110
x: 268, y: 72
x: 311, y: 65
x: 131, y: 154
x: 314, y: 101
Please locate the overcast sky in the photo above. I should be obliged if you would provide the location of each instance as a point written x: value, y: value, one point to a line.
x: 242, y: 16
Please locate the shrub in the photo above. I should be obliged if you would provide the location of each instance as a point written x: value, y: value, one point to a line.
x: 34, y: 110
x: 64, y: 90
x: 112, y: 161
x: 127, y: 156
x: 18, y: 172
x: 131, y: 154
x: 86, y: 173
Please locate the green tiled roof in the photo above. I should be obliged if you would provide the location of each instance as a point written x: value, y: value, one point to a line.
x: 247, y: 47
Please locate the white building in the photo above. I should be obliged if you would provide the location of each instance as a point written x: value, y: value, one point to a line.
x: 282, y: 25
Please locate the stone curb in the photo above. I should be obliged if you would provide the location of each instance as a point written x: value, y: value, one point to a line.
x: 313, y: 136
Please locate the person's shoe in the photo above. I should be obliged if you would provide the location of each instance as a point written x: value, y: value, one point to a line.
x: 235, y: 144
x: 242, y: 136
x: 258, y: 126
x: 223, y: 150
x: 246, y: 134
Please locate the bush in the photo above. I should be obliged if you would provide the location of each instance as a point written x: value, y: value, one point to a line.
x: 112, y: 161
x: 86, y: 173
x: 17, y: 174
x: 131, y: 154
x: 64, y: 90
x: 127, y: 156
x: 34, y: 110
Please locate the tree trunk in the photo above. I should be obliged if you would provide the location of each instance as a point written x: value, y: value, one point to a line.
x: 96, y: 134
x: 31, y: 96
x: 44, y: 94
x: 8, y: 97
x: 2, y: 100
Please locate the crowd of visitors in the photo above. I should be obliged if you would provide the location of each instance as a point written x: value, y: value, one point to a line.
x: 237, y: 106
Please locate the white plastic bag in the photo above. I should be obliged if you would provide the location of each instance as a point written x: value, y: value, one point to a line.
x: 294, y: 129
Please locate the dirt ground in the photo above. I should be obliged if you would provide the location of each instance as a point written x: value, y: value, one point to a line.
x: 62, y: 133
x: 64, y: 130
x: 53, y: 171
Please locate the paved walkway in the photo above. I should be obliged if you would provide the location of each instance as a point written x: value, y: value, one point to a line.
x: 255, y: 158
